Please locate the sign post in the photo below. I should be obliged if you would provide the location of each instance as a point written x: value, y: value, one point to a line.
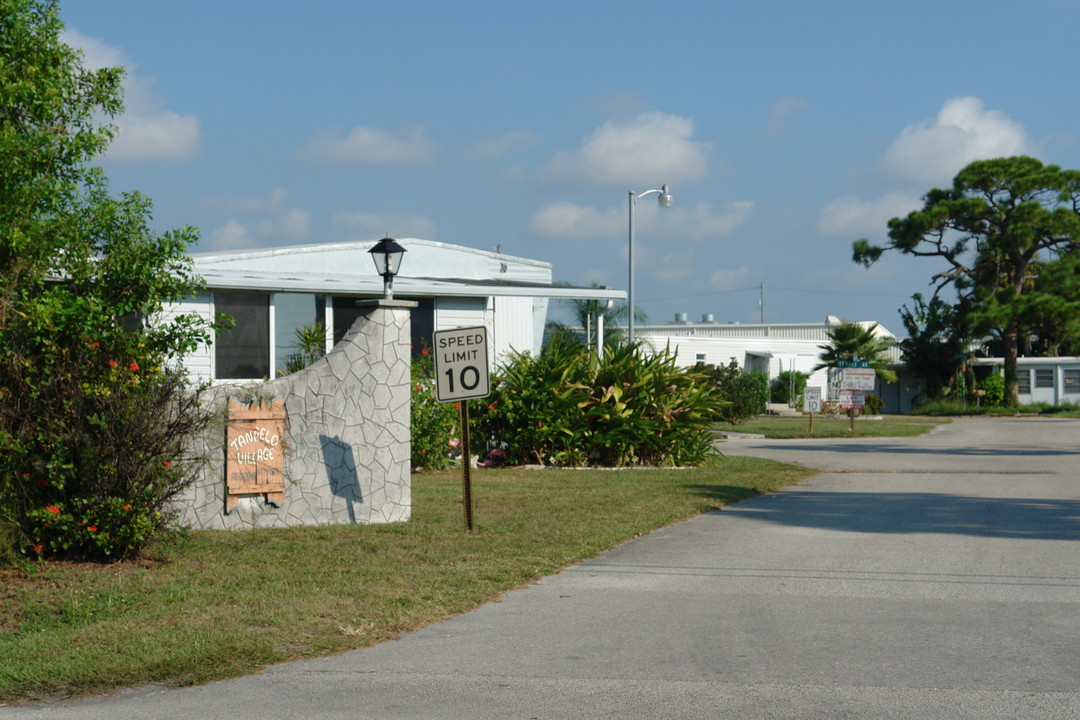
x: 461, y: 373
x: 853, y: 379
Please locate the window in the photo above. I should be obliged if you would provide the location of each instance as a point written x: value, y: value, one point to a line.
x: 243, y: 352
x: 1072, y: 381
x: 1023, y: 381
x: 293, y: 311
x: 702, y: 357
x: 1044, y: 377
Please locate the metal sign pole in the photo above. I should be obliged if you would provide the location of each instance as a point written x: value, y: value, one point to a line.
x: 466, y: 467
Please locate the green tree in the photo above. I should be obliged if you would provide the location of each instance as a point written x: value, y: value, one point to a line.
x: 852, y: 341
x: 1003, y: 223
x: 935, y: 347
x: 585, y: 313
x: 94, y: 414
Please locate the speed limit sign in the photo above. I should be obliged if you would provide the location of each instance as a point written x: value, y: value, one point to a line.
x: 461, y: 364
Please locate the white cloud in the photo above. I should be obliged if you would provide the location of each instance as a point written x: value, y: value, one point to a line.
x: 292, y: 226
x: 371, y: 146
x: 371, y: 226
x: 272, y: 203
x: 495, y: 148
x: 146, y: 129
x: 783, y: 109
x: 706, y: 223
x: 567, y: 221
x: 700, y: 223
x: 648, y: 150
x: 933, y: 151
x: 724, y: 280
x: 852, y: 217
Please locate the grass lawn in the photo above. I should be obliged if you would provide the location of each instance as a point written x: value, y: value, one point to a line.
x: 779, y: 426
x: 210, y: 605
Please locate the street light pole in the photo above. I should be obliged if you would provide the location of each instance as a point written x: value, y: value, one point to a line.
x: 664, y: 199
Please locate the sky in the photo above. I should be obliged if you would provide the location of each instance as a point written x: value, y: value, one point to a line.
x: 785, y: 131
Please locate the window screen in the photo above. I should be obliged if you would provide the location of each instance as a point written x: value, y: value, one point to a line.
x: 1072, y: 381
x: 1023, y: 380
x: 1044, y: 377
x: 243, y: 353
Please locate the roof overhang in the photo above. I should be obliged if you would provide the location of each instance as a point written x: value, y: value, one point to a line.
x: 349, y: 284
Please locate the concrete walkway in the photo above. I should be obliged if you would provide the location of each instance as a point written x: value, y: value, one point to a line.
x: 933, y: 577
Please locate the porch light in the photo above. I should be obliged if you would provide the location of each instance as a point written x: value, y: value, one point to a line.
x: 387, y: 256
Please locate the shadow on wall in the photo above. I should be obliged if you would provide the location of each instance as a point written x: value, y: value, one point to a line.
x: 340, y: 466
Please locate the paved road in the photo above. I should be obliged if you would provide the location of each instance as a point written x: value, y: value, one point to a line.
x: 936, y: 577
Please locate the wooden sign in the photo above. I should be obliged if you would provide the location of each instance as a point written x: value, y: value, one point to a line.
x: 255, y: 452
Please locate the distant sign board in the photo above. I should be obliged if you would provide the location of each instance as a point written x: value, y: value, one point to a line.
x: 852, y: 363
x: 461, y: 364
x: 812, y: 400
x: 852, y: 399
x: 853, y: 378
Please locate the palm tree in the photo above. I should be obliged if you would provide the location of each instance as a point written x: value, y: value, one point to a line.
x: 585, y: 313
x: 851, y: 341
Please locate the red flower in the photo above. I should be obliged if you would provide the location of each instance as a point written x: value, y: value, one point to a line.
x: 39, y: 548
x: 134, y: 367
x: 419, y: 387
x: 93, y: 344
x: 539, y: 424
x: 127, y: 507
x: 92, y: 528
x: 166, y: 463
x: 424, y: 352
x: 491, y: 406
x: 113, y: 363
x: 457, y: 406
x: 53, y: 509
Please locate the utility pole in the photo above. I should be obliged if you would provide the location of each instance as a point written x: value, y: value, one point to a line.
x: 761, y: 301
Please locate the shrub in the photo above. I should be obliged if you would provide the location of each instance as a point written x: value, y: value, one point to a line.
x: 788, y: 388
x: 568, y: 407
x: 873, y: 405
x: 745, y: 394
x: 433, y: 424
x: 994, y: 387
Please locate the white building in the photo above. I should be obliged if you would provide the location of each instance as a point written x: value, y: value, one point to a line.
x: 772, y: 348
x: 271, y: 292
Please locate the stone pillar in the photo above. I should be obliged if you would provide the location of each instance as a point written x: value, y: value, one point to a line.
x: 347, y: 454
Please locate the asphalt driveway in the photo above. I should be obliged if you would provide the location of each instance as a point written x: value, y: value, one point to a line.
x: 933, y: 577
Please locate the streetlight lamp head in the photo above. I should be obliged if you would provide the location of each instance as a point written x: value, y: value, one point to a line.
x: 664, y: 198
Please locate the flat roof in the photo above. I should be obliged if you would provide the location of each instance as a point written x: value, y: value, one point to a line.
x: 404, y: 286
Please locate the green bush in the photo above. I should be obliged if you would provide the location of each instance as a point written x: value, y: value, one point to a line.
x: 745, y: 394
x: 994, y: 387
x: 873, y: 405
x: 567, y: 407
x: 788, y: 388
x: 92, y: 418
x: 433, y: 425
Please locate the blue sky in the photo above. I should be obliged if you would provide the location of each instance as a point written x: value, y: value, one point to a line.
x: 785, y: 130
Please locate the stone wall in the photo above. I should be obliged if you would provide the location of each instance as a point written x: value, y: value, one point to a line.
x: 346, y: 438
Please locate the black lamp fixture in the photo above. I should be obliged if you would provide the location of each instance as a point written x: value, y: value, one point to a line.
x: 387, y: 256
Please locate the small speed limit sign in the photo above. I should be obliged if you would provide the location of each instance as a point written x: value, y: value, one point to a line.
x: 461, y: 364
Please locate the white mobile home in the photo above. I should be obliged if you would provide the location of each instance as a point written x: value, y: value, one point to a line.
x: 271, y: 292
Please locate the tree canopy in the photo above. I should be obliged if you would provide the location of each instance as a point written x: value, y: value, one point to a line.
x: 93, y: 409
x: 1006, y: 233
